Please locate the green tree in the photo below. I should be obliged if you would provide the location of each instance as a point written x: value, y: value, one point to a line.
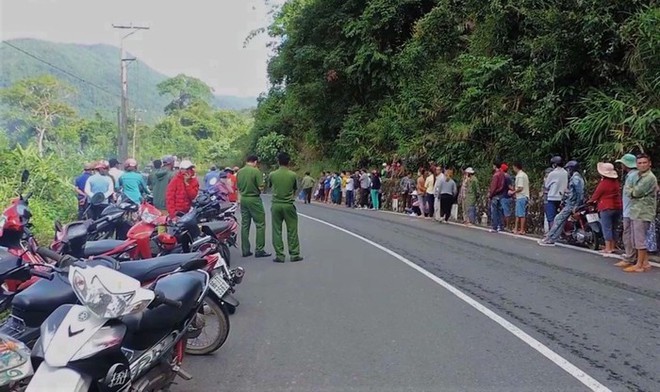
x: 184, y: 90
x: 269, y: 146
x: 37, y: 105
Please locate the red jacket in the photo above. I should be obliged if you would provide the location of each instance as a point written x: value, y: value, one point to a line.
x: 608, y: 195
x: 179, y: 195
x: 234, y: 187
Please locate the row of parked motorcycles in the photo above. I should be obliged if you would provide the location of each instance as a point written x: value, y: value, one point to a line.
x: 114, y: 303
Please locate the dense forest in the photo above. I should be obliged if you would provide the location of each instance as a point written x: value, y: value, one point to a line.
x: 43, y: 132
x: 93, y: 72
x: 463, y: 82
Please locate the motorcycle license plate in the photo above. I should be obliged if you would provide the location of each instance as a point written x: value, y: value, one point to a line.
x: 219, y: 285
x: 591, y: 218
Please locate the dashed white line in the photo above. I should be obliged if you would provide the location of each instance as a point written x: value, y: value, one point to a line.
x: 557, y: 359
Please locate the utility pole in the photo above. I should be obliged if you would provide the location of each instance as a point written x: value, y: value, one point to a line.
x: 135, y: 127
x: 123, y: 113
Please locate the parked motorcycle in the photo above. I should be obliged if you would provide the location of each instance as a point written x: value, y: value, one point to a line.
x: 31, y: 306
x: 583, y: 228
x: 123, y: 336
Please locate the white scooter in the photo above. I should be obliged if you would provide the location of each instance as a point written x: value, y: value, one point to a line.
x: 123, y: 337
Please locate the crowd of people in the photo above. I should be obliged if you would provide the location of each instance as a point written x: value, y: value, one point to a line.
x: 172, y: 184
x: 433, y: 193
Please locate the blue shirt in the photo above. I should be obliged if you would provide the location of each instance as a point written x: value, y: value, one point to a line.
x: 80, y: 182
x: 575, y: 196
x: 133, y: 185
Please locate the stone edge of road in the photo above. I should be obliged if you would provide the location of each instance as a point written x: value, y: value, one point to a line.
x: 524, y: 237
x: 539, y: 347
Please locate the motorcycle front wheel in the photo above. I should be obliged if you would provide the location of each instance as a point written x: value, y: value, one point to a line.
x: 214, y: 332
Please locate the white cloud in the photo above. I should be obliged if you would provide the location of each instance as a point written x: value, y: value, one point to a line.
x: 202, y: 38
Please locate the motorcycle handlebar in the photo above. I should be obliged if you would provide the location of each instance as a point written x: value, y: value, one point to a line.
x: 49, y: 254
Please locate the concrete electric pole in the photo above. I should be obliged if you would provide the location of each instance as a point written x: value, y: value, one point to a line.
x: 123, y: 111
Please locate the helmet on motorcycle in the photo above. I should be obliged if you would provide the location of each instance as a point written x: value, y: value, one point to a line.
x: 556, y: 160
x: 573, y: 166
x: 130, y: 163
x: 166, y: 241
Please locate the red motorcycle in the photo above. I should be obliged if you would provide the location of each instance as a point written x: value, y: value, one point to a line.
x: 17, y: 245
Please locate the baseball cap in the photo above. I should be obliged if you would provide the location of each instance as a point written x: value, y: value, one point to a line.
x: 469, y: 170
x: 186, y: 164
x: 168, y: 160
x: 89, y: 166
x: 102, y: 164
x: 504, y: 167
x: 628, y: 160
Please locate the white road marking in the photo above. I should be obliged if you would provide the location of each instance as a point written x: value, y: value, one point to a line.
x: 557, y: 359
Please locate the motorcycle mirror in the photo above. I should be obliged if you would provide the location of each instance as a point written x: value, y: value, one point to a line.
x: 25, y: 176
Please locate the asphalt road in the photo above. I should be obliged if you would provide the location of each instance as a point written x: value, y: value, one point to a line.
x: 351, y: 317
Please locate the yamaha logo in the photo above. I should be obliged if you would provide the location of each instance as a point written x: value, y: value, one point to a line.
x: 83, y: 316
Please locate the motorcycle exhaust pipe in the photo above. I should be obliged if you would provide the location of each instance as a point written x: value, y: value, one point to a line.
x: 237, y: 275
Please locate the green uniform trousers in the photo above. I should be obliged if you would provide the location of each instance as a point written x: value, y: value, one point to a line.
x: 287, y: 213
x: 252, y: 209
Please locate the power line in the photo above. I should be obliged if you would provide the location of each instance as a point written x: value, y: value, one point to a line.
x: 62, y: 70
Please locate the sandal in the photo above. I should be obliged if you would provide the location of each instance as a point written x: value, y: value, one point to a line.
x: 623, y: 263
x: 633, y: 268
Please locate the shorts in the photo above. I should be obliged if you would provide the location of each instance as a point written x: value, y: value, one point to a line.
x: 639, y: 230
x: 521, y: 206
x: 507, y: 206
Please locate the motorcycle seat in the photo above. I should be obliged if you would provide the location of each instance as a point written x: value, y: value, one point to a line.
x: 149, y: 269
x: 186, y: 287
x: 216, y: 227
x: 96, y: 248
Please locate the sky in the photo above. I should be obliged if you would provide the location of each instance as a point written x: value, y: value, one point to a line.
x: 200, y: 38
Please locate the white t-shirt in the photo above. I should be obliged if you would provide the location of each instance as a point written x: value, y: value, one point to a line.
x: 349, y: 184
x: 522, y: 181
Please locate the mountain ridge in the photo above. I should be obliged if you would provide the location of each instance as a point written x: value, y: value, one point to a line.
x: 98, y: 67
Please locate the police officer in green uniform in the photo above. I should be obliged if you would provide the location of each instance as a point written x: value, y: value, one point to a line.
x: 249, y: 181
x: 283, y: 183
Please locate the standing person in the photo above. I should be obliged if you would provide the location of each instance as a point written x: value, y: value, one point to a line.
x: 629, y: 163
x: 607, y: 196
x: 495, y: 191
x: 471, y: 196
x: 365, y: 184
x: 307, y: 185
x: 437, y: 206
x: 642, y: 190
x: 335, y: 186
x: 327, y: 187
x: 211, y: 178
x: 350, y: 191
x: 522, y: 198
x: 115, y: 172
x: 182, y: 189
x: 406, y: 186
x: 421, y: 190
x: 573, y: 198
x: 230, y: 180
x: 101, y: 182
x: 544, y: 196
x: 283, y: 183
x: 448, y: 192
x: 80, y: 183
x: 132, y: 182
x: 159, y: 180
x: 375, y: 190
x: 508, y: 201
x: 250, y: 181
x: 429, y: 184
x: 556, y: 183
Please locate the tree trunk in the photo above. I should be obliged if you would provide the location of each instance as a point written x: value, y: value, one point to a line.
x: 41, y: 133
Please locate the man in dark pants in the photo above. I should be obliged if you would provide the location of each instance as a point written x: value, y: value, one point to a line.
x: 250, y: 180
x: 283, y: 183
x: 80, y: 182
x: 307, y: 185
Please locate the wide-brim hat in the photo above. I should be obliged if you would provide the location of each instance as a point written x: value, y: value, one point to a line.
x: 606, y: 169
x: 628, y: 160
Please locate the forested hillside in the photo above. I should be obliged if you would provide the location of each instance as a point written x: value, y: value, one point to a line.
x: 98, y: 65
x: 464, y: 82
